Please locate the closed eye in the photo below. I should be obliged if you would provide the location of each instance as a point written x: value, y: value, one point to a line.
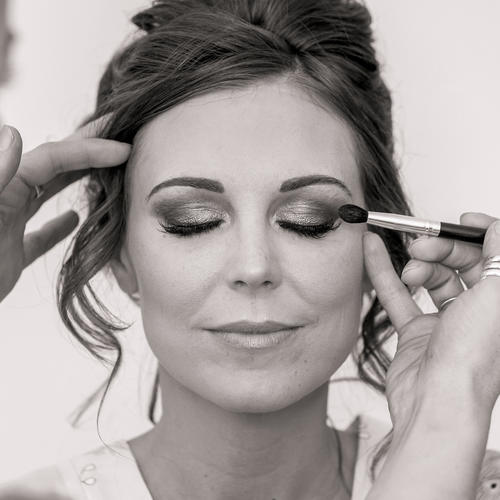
x: 311, y: 231
x: 185, y: 230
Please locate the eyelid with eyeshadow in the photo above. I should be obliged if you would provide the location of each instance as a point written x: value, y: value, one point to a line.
x: 309, y: 212
x: 324, y: 219
x: 185, y: 212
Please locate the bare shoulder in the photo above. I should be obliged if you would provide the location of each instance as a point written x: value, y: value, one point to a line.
x: 41, y: 484
x: 489, y: 479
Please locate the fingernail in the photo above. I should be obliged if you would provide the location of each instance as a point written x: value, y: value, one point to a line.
x: 496, y: 227
x: 410, y: 266
x: 6, y: 138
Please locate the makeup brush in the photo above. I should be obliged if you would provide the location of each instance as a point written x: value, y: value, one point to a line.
x: 355, y: 215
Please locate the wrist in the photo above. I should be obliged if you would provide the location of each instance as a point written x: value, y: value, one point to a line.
x: 443, y: 399
x: 435, y: 459
x: 438, y: 452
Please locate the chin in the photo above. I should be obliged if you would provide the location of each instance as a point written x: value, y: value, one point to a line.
x: 248, y: 397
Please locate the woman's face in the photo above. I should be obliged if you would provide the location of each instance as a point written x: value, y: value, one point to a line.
x: 250, y: 262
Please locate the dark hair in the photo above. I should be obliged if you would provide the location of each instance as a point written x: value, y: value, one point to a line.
x: 193, y: 47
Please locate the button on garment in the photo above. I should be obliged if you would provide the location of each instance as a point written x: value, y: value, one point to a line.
x: 489, y: 481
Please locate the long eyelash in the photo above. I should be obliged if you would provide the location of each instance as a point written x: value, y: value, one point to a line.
x: 315, y: 231
x: 189, y: 229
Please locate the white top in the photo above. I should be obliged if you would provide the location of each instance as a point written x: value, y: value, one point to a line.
x: 111, y: 473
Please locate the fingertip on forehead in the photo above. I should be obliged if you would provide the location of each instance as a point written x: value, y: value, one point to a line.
x: 99, y: 152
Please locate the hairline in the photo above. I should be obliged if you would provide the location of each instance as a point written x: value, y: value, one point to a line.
x: 296, y: 77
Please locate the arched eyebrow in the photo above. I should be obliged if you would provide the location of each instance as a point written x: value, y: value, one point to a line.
x: 217, y: 187
x: 195, y: 182
x: 309, y: 180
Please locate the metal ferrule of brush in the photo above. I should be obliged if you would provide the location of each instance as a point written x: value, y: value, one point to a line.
x: 404, y: 223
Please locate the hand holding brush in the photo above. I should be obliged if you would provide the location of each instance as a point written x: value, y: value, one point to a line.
x: 356, y: 215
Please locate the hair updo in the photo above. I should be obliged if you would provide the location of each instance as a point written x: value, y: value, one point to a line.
x: 192, y: 47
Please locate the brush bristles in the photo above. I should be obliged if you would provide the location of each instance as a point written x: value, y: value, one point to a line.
x: 353, y: 214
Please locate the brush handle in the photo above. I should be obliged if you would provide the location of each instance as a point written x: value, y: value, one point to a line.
x: 470, y: 234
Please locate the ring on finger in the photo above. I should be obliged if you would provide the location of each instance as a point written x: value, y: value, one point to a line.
x: 38, y: 191
x: 446, y: 303
x: 491, y: 267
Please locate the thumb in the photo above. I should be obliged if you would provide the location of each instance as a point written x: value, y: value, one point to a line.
x: 491, y: 251
x: 11, y: 148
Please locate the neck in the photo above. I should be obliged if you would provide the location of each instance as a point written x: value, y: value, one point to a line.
x: 199, y: 450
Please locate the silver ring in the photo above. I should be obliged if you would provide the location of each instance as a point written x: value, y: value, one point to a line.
x: 494, y: 265
x: 38, y: 191
x: 490, y: 272
x: 491, y: 267
x: 446, y: 303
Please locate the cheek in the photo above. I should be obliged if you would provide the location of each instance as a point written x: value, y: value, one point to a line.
x: 176, y: 279
x: 331, y: 277
x: 322, y: 278
x: 331, y: 282
x: 172, y: 281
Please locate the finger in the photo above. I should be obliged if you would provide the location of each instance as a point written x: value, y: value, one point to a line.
x: 463, y: 257
x: 491, y: 247
x: 11, y: 146
x: 92, y: 129
x: 42, y: 240
x: 392, y: 294
x: 45, y: 162
x: 440, y: 281
x: 53, y: 187
x: 479, y: 220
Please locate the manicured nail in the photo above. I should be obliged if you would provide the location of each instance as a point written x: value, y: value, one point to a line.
x: 6, y: 138
x: 496, y: 227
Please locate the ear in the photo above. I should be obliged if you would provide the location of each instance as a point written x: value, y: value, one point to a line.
x: 124, y: 273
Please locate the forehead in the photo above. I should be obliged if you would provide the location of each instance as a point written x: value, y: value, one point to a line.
x: 253, y: 138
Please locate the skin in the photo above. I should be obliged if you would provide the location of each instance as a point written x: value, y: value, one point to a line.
x: 53, y: 166
x: 263, y: 432
x: 444, y: 380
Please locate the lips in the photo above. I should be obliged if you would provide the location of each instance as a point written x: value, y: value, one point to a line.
x: 250, y: 327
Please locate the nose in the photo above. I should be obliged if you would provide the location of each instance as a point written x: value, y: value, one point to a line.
x: 254, y: 262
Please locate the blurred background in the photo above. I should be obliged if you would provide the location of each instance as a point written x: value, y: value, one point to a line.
x: 442, y: 62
